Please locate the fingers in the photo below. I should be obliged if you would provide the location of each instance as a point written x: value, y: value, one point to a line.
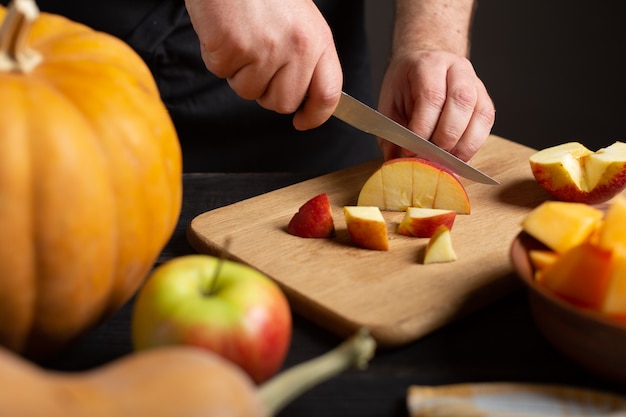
x: 323, y: 94
x: 274, y: 52
x: 478, y: 128
x: 444, y: 101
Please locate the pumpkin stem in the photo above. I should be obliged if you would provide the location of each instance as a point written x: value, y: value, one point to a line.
x: 14, y: 55
x: 280, y: 390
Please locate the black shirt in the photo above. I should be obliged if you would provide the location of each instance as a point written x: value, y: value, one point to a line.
x: 219, y: 131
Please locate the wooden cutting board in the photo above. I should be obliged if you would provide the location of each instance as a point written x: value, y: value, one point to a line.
x: 342, y: 287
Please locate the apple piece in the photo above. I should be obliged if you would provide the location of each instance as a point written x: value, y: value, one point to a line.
x: 414, y: 182
x: 223, y: 306
x: 581, y: 275
x: 371, y: 193
x: 561, y: 225
x: 439, y: 247
x: 612, y: 231
x: 426, y: 187
x: 542, y: 258
x: 367, y: 227
x: 314, y: 219
x: 614, y: 303
x: 571, y: 172
x: 422, y: 222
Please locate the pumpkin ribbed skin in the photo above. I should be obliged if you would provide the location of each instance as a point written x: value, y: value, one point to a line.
x: 90, y: 184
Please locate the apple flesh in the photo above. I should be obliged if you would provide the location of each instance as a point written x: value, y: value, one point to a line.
x: 314, y: 219
x: 439, y: 247
x: 422, y: 222
x: 572, y: 172
x: 562, y: 225
x: 580, y: 275
x: 215, y: 304
x: 541, y: 259
x: 414, y: 182
x: 367, y: 227
x: 589, y: 271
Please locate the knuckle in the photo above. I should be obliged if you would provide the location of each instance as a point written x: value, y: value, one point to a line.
x: 464, y: 98
x: 434, y: 97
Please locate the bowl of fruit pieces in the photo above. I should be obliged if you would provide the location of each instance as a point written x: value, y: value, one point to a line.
x: 571, y: 256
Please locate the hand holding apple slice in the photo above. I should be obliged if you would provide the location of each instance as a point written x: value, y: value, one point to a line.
x: 571, y: 172
x: 314, y: 219
x: 422, y: 222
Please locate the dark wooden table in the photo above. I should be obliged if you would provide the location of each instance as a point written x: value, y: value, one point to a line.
x: 499, y: 343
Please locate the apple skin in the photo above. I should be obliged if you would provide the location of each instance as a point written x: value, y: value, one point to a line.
x: 367, y: 227
x: 245, y: 317
x: 422, y: 222
x: 571, y: 172
x: 414, y: 182
x: 314, y: 219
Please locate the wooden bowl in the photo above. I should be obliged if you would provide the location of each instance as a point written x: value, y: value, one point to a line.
x: 586, y: 337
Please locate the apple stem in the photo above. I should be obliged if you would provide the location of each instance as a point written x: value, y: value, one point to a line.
x: 280, y: 390
x: 218, y: 268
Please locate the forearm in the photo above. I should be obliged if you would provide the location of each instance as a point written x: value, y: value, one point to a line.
x: 433, y: 25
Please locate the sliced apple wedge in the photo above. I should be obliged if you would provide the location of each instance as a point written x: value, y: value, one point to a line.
x: 542, y: 258
x: 612, y: 231
x: 414, y: 182
x: 562, y: 225
x: 422, y: 222
x: 439, y: 247
x: 314, y: 219
x: 572, y: 172
x: 367, y: 227
x: 581, y: 275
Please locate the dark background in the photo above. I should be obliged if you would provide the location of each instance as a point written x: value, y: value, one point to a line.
x: 554, y: 69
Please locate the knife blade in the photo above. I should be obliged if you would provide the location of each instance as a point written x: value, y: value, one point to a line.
x: 366, y: 119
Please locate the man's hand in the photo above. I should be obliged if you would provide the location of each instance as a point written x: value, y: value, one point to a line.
x: 437, y: 95
x: 273, y: 51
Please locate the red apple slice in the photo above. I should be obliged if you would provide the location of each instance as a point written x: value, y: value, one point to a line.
x: 414, y: 182
x: 439, y: 248
x: 422, y: 222
x: 571, y: 172
x: 314, y: 219
x: 367, y: 227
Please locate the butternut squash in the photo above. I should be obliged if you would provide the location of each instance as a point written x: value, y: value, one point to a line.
x: 172, y: 381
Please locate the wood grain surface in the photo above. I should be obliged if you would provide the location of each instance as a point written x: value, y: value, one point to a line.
x: 342, y: 287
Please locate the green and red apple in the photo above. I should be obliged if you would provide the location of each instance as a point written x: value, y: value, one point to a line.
x: 414, y: 182
x: 422, y: 222
x: 572, y: 172
x: 216, y: 304
x: 314, y: 219
x: 367, y: 227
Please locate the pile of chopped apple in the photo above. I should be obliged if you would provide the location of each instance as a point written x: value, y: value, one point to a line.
x: 571, y: 172
x: 584, y: 260
x: 430, y: 196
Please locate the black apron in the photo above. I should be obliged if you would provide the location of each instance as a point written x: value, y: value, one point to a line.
x: 218, y: 131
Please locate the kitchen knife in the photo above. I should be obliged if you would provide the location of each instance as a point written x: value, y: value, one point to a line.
x: 364, y: 118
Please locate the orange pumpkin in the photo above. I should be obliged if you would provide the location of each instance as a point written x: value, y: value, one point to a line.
x: 90, y: 178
